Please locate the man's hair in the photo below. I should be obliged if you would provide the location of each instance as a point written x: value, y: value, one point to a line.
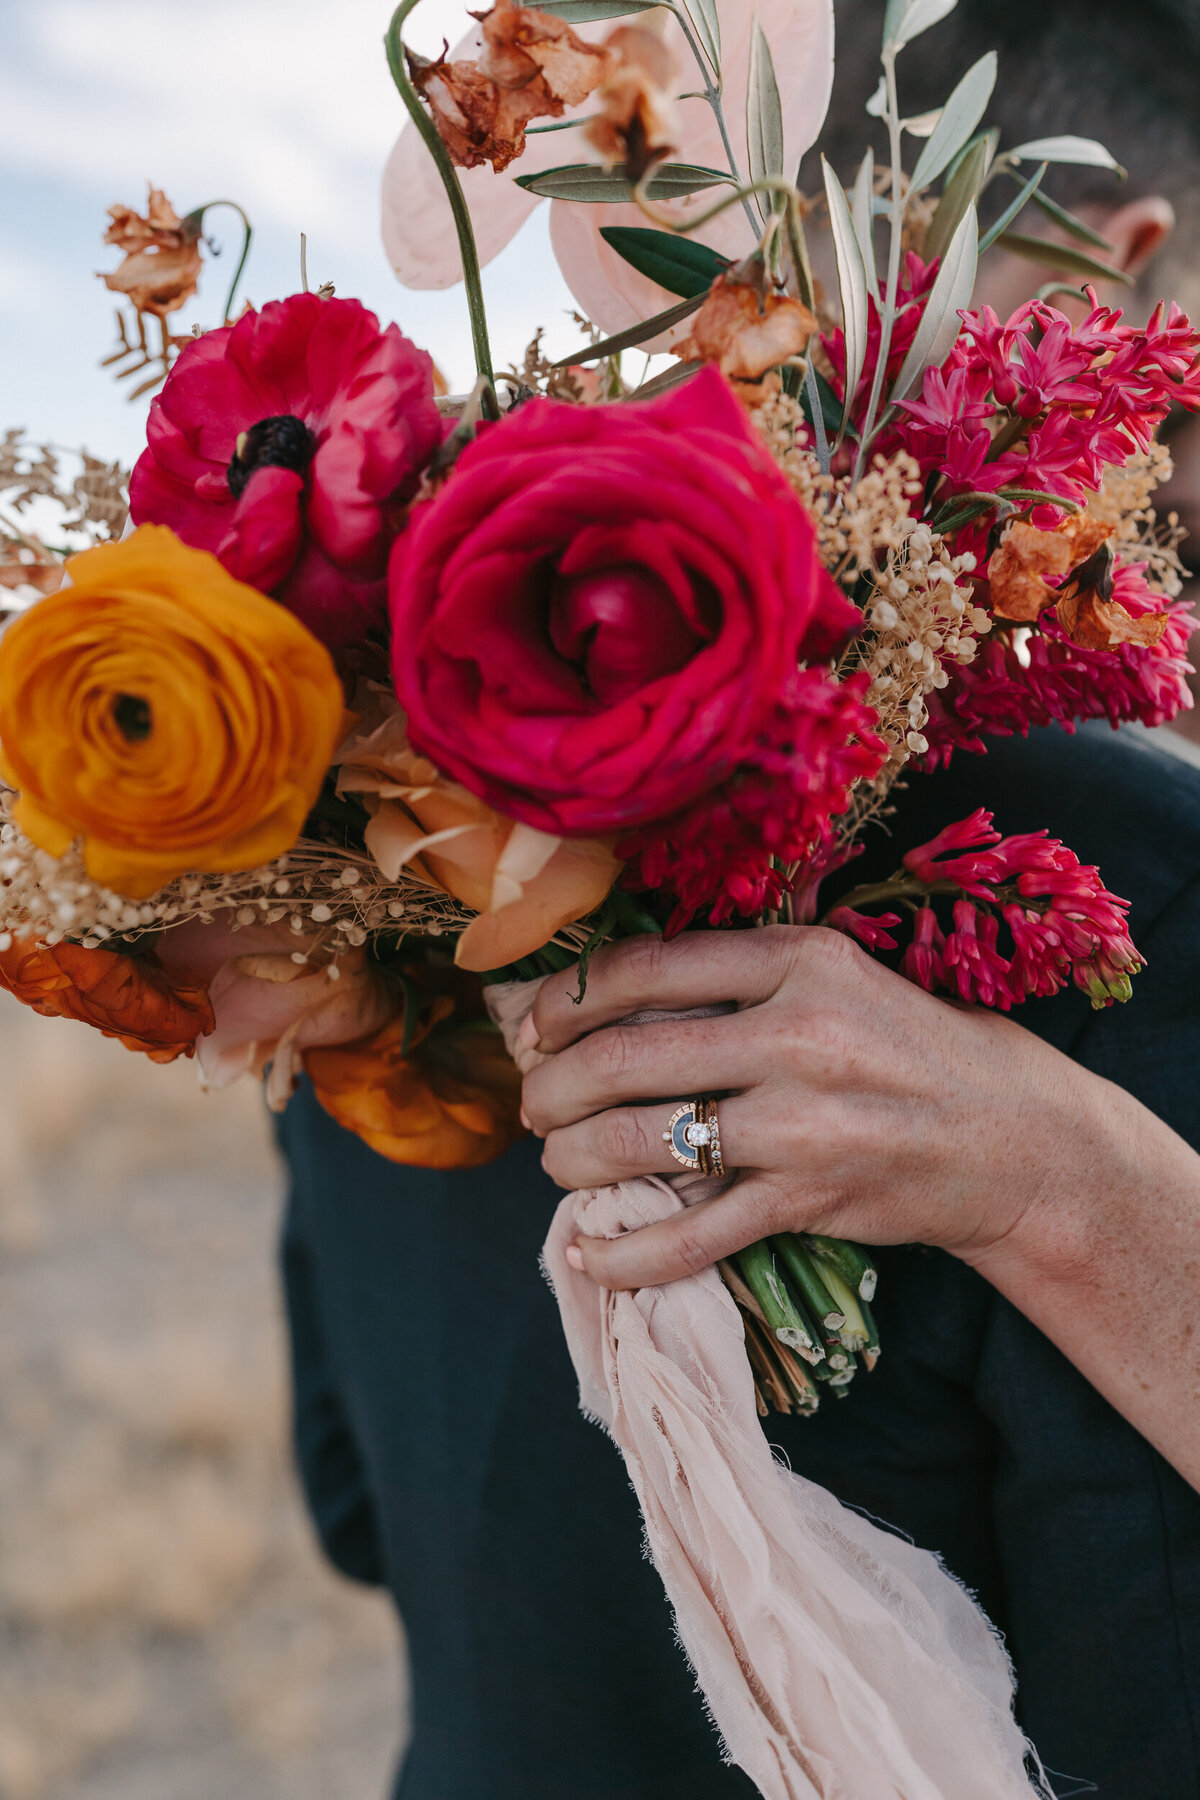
x: 1124, y: 71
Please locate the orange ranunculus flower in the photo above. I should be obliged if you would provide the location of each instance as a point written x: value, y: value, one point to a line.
x: 125, y: 997
x: 171, y: 717
x: 451, y: 1100
x: 524, y: 885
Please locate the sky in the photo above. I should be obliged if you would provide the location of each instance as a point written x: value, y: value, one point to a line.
x: 283, y: 105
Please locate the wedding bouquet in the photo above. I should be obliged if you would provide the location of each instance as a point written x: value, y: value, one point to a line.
x: 393, y: 696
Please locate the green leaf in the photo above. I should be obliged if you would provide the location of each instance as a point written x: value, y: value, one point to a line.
x: 940, y: 324
x: 633, y: 335
x: 903, y: 22
x: 1066, y: 150
x: 764, y: 118
x: 586, y: 12
x: 852, y: 280
x: 596, y: 186
x: 960, y: 115
x: 1069, y: 222
x: 831, y: 406
x: 963, y: 188
x: 862, y: 208
x: 707, y: 26
x: 682, y: 371
x: 1061, y: 256
x: 679, y: 264
x: 1028, y: 192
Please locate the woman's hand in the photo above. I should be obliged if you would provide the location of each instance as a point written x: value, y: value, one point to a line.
x: 855, y: 1104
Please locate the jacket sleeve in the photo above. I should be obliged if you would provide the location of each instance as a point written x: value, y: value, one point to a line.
x: 327, y: 1453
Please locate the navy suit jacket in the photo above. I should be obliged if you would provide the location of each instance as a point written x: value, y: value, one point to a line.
x: 442, y: 1451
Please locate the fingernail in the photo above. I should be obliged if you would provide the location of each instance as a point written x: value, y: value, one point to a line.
x: 529, y: 1034
x: 574, y: 1256
x: 525, y: 1120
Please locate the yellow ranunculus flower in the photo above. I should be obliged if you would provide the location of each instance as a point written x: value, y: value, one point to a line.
x: 171, y: 717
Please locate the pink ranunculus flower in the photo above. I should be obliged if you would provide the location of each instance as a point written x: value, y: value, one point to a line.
x: 595, y: 619
x: 285, y: 444
x: 418, y: 232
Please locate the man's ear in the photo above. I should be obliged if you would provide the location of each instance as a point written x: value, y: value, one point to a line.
x: 1138, y: 230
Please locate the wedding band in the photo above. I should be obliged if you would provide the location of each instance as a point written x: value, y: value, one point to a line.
x: 694, y: 1136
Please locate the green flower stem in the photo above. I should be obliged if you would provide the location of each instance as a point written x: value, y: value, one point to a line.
x: 247, y: 233
x: 790, y: 1322
x: 803, y: 1273
x: 712, y: 95
x: 851, y: 1261
x: 472, y: 280
x: 852, y: 1333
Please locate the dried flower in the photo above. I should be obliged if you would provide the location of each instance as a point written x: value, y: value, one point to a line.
x: 746, y: 328
x: 1025, y: 556
x: 162, y: 255
x: 638, y: 124
x: 533, y: 65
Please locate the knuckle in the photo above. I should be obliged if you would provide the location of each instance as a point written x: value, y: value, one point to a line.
x: 645, y: 959
x: 613, y: 1053
x: 690, y: 1252
x: 833, y: 953
x: 627, y: 1140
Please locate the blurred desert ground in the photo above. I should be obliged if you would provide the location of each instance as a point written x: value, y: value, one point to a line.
x: 167, y: 1628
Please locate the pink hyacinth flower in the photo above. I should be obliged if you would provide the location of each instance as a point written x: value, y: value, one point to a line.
x: 418, y: 232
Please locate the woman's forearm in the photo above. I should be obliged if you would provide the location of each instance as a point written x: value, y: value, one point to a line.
x: 1106, y: 1262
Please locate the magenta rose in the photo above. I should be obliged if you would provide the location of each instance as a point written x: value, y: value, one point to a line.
x: 593, y: 621
x: 285, y: 444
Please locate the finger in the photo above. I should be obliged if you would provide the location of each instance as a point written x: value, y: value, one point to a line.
x: 641, y: 1064
x: 633, y: 1140
x: 700, y: 968
x: 686, y: 1243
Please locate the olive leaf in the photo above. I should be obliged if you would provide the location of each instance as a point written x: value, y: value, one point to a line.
x: 1066, y: 149
x: 679, y: 264
x: 863, y: 211
x: 764, y: 118
x: 1069, y: 222
x: 1001, y: 225
x: 595, y: 186
x: 1062, y: 256
x: 963, y: 187
x: 586, y: 12
x: 707, y: 26
x: 960, y: 115
x: 633, y: 335
x: 940, y: 324
x: 907, y: 19
x: 852, y: 280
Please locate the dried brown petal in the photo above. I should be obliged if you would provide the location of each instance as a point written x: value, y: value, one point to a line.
x: 162, y: 255
x: 638, y: 124
x: 746, y: 330
x: 1027, y: 555
x: 533, y: 66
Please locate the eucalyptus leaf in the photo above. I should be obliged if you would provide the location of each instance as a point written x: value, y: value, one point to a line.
x: 960, y: 115
x: 707, y: 26
x: 863, y: 211
x: 586, y: 12
x: 679, y: 264
x: 940, y: 324
x: 1065, y: 150
x: 633, y: 335
x: 764, y: 117
x: 1061, y: 256
x: 1001, y: 225
x: 589, y: 183
x: 1077, y: 227
x: 852, y: 280
x: 962, y: 189
x: 903, y: 22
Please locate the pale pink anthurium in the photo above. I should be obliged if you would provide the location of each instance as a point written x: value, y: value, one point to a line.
x: 418, y: 232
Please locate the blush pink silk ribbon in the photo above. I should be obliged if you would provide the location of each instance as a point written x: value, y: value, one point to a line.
x: 837, y: 1661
